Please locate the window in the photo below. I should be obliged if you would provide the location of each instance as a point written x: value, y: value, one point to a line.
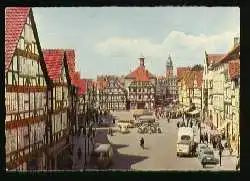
x: 185, y: 137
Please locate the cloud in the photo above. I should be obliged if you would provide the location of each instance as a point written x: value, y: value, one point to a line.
x: 185, y: 49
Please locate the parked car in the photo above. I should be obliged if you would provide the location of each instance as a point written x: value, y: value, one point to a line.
x: 201, y: 147
x: 207, y: 157
x: 124, y: 129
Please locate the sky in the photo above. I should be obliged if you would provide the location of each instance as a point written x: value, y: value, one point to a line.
x: 109, y: 40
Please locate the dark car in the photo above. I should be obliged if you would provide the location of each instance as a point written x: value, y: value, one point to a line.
x: 207, y: 157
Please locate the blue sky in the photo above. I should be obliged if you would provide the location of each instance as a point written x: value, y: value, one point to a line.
x: 109, y: 40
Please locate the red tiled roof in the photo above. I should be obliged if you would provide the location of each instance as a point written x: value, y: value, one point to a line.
x: 181, y: 71
x: 231, y: 55
x: 70, y: 56
x: 213, y: 58
x: 76, y: 80
x: 82, y: 87
x: 199, y: 78
x: 140, y: 74
x: 54, y: 62
x: 234, y: 68
x: 15, y: 18
x: 191, y: 76
x: 102, y: 84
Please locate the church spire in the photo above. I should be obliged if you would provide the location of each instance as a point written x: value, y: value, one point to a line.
x: 142, y: 60
x: 169, y: 61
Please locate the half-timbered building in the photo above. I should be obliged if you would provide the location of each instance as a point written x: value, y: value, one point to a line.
x: 56, y: 63
x: 141, y: 85
x: 112, y: 95
x: 26, y: 84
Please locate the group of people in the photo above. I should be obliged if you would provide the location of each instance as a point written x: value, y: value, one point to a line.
x: 188, y: 122
x: 161, y: 113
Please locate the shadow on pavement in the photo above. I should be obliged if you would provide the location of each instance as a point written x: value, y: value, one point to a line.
x: 120, y: 161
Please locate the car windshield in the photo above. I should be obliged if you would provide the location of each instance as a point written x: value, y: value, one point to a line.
x: 185, y: 137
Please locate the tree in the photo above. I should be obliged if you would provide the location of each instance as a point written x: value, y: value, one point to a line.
x: 198, y: 67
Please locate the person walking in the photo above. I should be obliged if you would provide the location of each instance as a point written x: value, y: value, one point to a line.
x: 142, y: 142
x: 202, y: 138
x: 220, y: 151
x: 206, y: 137
x: 191, y: 124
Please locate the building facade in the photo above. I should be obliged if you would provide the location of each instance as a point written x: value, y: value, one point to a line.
x: 207, y: 86
x: 161, y: 89
x: 112, y: 95
x: 224, y: 117
x: 182, y: 87
x: 140, y: 85
x: 190, y: 88
x: 171, y: 80
x: 26, y: 89
x: 59, y: 118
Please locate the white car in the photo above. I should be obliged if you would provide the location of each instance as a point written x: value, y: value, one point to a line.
x: 124, y: 129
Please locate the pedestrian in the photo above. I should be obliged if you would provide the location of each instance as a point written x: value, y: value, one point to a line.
x: 220, y: 151
x: 142, y: 142
x: 206, y: 137
x: 201, y: 138
x: 191, y: 124
x: 111, y: 131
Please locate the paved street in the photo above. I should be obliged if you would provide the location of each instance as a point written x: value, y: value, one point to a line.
x: 160, y: 152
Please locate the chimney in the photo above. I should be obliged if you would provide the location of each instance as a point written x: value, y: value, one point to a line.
x: 236, y: 41
x: 142, y: 61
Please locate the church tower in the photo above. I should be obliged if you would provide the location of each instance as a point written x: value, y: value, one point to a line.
x: 169, y: 68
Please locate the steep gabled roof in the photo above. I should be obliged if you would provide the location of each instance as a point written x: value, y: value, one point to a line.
x: 213, y: 58
x: 15, y: 18
x: 70, y: 56
x: 234, y: 68
x: 140, y: 74
x: 76, y: 80
x: 231, y: 55
x: 199, y: 78
x: 82, y: 87
x: 54, y: 62
x: 181, y: 71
